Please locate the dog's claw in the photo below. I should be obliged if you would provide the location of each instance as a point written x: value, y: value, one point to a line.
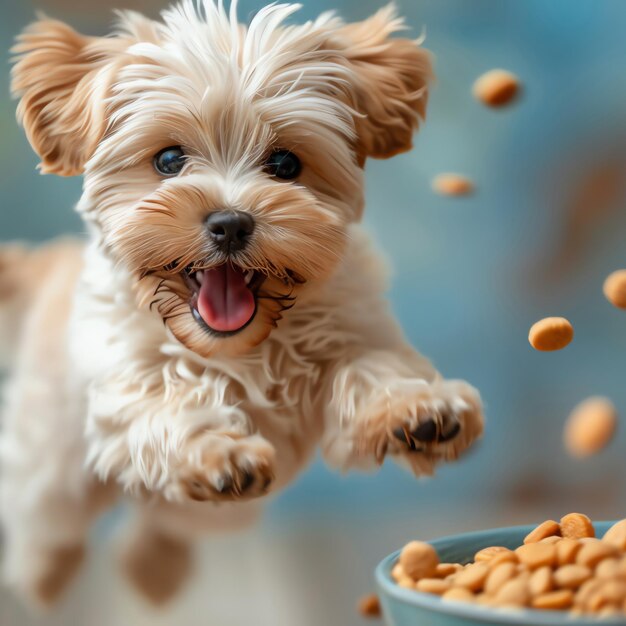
x: 247, y: 480
x: 454, y: 430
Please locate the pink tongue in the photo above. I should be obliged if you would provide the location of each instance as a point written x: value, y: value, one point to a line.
x: 224, y: 302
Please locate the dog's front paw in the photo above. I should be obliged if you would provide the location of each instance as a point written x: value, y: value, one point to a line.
x: 224, y: 468
x: 422, y: 425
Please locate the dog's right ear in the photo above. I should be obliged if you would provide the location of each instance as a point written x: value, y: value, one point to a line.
x: 60, y: 78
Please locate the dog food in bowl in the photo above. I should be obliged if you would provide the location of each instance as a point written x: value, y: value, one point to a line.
x: 560, y: 566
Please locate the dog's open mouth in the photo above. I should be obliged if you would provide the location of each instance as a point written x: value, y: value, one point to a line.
x: 223, y: 298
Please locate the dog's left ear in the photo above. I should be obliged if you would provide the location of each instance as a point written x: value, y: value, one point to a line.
x: 392, y: 76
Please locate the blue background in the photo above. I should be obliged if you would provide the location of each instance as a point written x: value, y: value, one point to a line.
x: 470, y: 274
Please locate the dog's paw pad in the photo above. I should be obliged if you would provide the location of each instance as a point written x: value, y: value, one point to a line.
x: 429, y: 431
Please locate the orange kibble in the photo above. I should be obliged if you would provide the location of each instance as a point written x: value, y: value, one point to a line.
x: 513, y: 593
x: 486, y: 554
x: 566, y: 551
x: 435, y: 586
x: 551, y: 333
x: 498, y: 576
x: 472, y: 577
x: 369, y: 606
x: 419, y: 560
x: 549, y: 528
x: 576, y: 526
x: 593, y: 552
x: 615, y: 289
x: 616, y: 535
x: 459, y: 594
x: 507, y: 556
x: 535, y: 555
x: 541, y: 581
x: 446, y: 569
x: 496, y: 88
x: 554, y: 600
x: 590, y: 427
x: 572, y: 576
x: 450, y: 184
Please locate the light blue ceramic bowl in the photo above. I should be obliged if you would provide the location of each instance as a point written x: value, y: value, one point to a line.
x: 404, y: 607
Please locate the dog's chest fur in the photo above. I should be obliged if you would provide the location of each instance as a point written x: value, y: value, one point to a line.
x: 278, y: 383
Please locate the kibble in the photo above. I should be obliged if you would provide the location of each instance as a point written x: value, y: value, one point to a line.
x: 541, y: 581
x: 550, y: 333
x: 433, y: 585
x: 615, y: 289
x: 549, y: 528
x: 486, y: 554
x: 498, y: 576
x: 535, y: 555
x: 572, y: 576
x: 590, y: 427
x: 554, y: 600
x: 592, y: 553
x: 496, y: 88
x: 472, y: 577
x: 449, y: 184
x: 616, y: 535
x: 566, y: 551
x: 576, y: 526
x: 446, y: 569
x: 369, y: 606
x: 561, y: 566
x: 419, y: 560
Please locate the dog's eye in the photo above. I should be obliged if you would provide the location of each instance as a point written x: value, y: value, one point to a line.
x: 169, y: 161
x: 283, y: 164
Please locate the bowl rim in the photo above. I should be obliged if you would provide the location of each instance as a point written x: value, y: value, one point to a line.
x: 480, y: 614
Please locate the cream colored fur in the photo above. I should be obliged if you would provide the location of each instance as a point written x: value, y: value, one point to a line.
x: 115, y: 388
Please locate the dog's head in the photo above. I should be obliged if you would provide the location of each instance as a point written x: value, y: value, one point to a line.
x: 222, y: 162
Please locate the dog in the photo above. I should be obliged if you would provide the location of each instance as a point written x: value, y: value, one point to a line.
x: 226, y: 316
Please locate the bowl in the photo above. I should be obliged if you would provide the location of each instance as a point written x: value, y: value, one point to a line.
x: 405, y: 607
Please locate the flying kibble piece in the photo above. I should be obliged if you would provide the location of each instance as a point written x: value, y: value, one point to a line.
x: 496, y: 88
x: 452, y: 185
x: 615, y: 289
x: 590, y: 427
x: 369, y: 606
x: 550, y: 333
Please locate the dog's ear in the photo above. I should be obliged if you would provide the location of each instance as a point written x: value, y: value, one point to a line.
x: 60, y: 78
x: 392, y: 76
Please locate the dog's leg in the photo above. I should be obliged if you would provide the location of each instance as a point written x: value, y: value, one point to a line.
x: 184, y: 445
x: 156, y: 553
x: 155, y: 559
x: 393, y: 402
x: 47, y: 496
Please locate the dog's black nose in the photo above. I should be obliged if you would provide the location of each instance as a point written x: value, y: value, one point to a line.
x: 230, y: 230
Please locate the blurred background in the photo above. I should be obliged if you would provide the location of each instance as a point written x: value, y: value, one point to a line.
x: 544, y: 227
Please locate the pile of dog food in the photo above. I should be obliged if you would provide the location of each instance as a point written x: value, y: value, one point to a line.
x: 560, y: 566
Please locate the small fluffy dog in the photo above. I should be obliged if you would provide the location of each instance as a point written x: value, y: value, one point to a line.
x: 226, y: 315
